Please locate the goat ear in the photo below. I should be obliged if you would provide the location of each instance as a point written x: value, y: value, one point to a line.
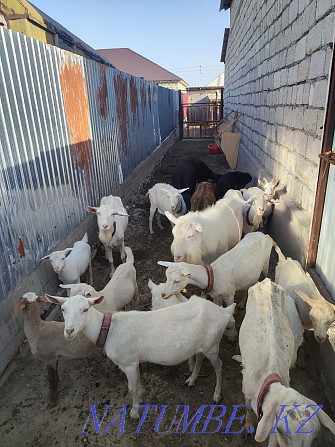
x: 305, y: 297
x: 164, y: 263
x: 119, y: 213
x: 265, y: 425
x: 20, y: 306
x: 92, y: 301
x: 171, y: 217
x: 277, y: 183
x: 198, y: 228
x: 67, y: 250
x: 91, y: 209
x: 250, y: 200
x: 46, y: 257
x: 274, y: 202
x: 151, y: 284
x: 183, y: 189
x: 185, y: 271
x: 55, y: 299
x: 42, y: 299
x: 231, y: 309
x: 260, y: 183
x: 238, y: 358
x: 66, y: 286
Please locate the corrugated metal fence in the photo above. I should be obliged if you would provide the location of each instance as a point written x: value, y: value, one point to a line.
x: 70, y: 131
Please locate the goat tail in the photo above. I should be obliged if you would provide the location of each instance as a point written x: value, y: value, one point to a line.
x: 280, y: 254
x: 129, y: 255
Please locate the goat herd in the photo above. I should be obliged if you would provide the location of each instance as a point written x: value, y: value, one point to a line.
x: 208, y: 251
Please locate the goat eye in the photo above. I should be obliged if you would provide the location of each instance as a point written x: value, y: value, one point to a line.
x: 63, y: 310
x: 85, y: 310
x: 88, y: 294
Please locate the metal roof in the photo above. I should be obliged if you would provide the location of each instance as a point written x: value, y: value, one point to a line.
x: 133, y: 63
x: 224, y: 44
x: 225, y: 4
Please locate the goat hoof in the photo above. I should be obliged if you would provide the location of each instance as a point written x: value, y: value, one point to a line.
x: 190, y: 381
x: 217, y: 397
x: 53, y: 401
x: 134, y: 414
x: 151, y: 232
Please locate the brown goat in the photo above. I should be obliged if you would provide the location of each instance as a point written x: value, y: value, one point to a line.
x: 47, y: 342
x: 203, y: 196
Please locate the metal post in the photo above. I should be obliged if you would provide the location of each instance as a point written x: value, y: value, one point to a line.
x: 181, y: 112
x: 221, y: 105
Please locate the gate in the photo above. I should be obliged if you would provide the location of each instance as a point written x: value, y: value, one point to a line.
x: 201, y: 108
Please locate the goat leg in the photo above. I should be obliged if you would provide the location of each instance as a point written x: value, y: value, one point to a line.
x: 53, y: 382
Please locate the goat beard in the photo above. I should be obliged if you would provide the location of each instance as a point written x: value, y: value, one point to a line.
x: 194, y: 257
x: 105, y: 236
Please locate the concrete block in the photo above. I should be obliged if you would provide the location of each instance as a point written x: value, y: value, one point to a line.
x: 300, y: 142
x: 302, y: 5
x: 304, y: 169
x: 289, y: 139
x: 313, y: 148
x: 283, y: 76
x: 308, y: 16
x: 285, y: 19
x: 279, y: 115
x: 291, y: 161
x: 293, y: 10
x: 310, y: 120
x: 314, y: 38
x: 303, y: 70
x: 300, y: 49
x: 328, y: 59
x: 297, y: 118
x: 299, y: 94
x: 281, y: 135
x: 287, y: 117
x: 292, y: 75
x: 281, y: 155
x: 277, y: 79
x: 327, y: 27
x: 322, y: 8
x: 290, y: 57
x: 321, y: 114
x: 305, y: 98
x: 318, y: 94
x: 317, y: 66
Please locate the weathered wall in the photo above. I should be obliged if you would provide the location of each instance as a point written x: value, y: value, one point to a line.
x: 277, y: 69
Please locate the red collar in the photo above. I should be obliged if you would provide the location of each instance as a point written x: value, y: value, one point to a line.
x: 247, y: 217
x: 272, y: 378
x: 114, y: 228
x: 210, y: 275
x: 106, y: 322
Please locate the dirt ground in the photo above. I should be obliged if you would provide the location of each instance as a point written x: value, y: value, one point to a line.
x: 26, y: 419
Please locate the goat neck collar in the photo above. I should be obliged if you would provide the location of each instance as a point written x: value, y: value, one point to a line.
x: 247, y: 217
x: 106, y: 322
x: 210, y: 275
x: 272, y: 378
x: 114, y: 228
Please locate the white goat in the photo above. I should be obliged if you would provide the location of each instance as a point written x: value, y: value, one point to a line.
x: 46, y: 340
x: 252, y: 209
x: 315, y: 312
x: 164, y: 197
x: 295, y: 325
x: 267, y: 348
x: 269, y: 188
x: 120, y: 290
x: 166, y: 336
x: 236, y: 270
x: 70, y: 268
x: 112, y: 223
x: 200, y: 237
x: 158, y: 302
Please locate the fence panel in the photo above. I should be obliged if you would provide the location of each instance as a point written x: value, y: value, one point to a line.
x: 71, y: 130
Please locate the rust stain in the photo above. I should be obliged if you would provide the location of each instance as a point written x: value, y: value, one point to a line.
x: 121, y: 88
x: 77, y: 113
x: 134, y: 100
x: 143, y: 96
x: 103, y: 92
x: 20, y: 249
x: 149, y: 97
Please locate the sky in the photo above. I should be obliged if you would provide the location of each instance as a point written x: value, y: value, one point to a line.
x: 183, y: 36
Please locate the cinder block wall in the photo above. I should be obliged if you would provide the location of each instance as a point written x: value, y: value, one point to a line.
x: 276, y: 72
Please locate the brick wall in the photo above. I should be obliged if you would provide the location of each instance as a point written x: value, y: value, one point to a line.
x: 276, y: 72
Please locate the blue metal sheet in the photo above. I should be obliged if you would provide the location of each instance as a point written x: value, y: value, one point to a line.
x: 50, y: 167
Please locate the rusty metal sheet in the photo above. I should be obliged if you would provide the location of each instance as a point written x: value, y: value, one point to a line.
x: 71, y: 130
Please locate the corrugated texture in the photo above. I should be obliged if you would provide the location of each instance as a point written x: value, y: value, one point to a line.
x: 70, y: 131
x: 325, y: 261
